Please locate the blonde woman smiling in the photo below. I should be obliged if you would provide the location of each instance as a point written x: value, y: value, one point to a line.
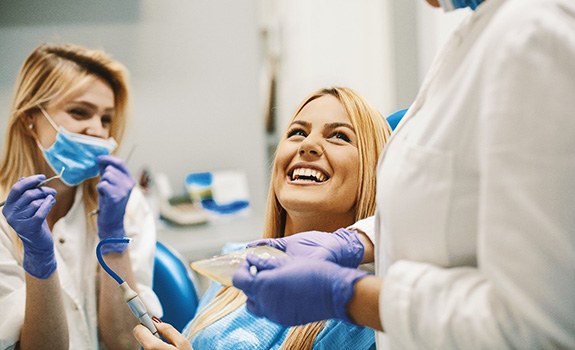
x: 323, y: 179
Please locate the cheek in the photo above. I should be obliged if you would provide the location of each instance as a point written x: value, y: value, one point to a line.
x: 47, y: 137
x: 277, y: 178
x: 348, y: 164
x: 285, y: 152
x: 350, y: 167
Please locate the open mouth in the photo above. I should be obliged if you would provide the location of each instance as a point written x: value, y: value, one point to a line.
x: 307, y: 175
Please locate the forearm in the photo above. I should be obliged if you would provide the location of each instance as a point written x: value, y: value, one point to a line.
x: 115, y: 320
x: 364, y: 305
x: 45, y: 324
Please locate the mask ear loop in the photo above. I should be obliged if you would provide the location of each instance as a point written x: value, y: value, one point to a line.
x: 50, y: 120
x: 48, y: 117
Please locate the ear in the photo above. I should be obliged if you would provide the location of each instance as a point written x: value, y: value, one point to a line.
x: 28, y: 119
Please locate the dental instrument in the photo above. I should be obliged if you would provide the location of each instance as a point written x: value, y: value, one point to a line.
x: 130, y: 296
x: 221, y: 268
x: 43, y: 182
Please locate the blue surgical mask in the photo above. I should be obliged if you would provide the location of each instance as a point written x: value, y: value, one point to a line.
x: 450, y: 5
x: 76, y: 153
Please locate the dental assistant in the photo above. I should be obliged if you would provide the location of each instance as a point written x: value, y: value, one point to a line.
x: 69, y: 112
x: 476, y: 200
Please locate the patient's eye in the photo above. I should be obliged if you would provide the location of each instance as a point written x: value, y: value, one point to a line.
x: 340, y: 136
x: 296, y: 132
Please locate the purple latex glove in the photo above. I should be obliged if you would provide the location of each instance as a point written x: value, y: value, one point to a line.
x: 26, y: 210
x: 114, y: 191
x: 342, y: 247
x: 293, y: 291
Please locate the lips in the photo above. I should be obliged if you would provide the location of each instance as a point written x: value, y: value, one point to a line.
x: 306, y: 174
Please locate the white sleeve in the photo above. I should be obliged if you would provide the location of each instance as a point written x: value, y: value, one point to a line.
x: 522, y: 293
x: 12, y: 291
x: 140, y: 227
x: 366, y: 226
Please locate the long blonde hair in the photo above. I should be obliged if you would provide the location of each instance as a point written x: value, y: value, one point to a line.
x: 372, y: 132
x: 52, y: 73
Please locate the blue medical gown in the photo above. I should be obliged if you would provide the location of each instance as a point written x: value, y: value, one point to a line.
x: 241, y: 330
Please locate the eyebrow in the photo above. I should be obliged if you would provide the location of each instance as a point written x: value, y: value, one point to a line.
x: 339, y: 125
x: 326, y: 126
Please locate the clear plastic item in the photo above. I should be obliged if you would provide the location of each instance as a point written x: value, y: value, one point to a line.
x: 221, y: 268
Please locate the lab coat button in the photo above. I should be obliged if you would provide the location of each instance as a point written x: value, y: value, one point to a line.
x: 62, y: 240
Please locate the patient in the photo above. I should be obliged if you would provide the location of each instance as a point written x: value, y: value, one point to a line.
x: 327, y: 157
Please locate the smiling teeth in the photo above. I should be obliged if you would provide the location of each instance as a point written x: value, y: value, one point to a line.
x: 306, y: 174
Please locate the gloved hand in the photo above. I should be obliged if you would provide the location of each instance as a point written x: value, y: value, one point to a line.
x: 342, y: 247
x: 114, y: 191
x: 293, y: 291
x: 26, y: 210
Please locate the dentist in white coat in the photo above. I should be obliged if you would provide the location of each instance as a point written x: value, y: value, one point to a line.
x: 476, y: 199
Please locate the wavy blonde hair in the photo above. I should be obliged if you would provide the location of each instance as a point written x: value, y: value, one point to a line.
x: 372, y: 132
x: 51, y: 74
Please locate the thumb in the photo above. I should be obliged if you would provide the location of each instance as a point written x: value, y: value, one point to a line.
x: 242, y: 278
x: 278, y: 243
x: 266, y: 263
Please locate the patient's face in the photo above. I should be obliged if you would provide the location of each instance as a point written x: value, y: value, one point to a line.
x: 317, y: 165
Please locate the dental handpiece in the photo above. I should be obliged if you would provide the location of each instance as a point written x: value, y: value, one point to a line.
x: 130, y: 296
x: 138, y: 308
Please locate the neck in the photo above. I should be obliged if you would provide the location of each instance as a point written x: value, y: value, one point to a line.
x: 327, y: 222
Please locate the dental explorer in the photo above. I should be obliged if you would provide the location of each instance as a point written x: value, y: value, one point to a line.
x: 42, y: 183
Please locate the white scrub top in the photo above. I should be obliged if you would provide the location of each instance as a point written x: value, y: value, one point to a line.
x: 476, y: 189
x: 77, y: 269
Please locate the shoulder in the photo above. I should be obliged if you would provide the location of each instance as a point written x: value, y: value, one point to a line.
x: 529, y: 39
x: 527, y: 22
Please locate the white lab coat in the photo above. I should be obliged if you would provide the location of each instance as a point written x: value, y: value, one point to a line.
x: 476, y: 190
x: 77, y: 269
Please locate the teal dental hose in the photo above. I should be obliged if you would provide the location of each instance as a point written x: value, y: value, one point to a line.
x: 130, y: 296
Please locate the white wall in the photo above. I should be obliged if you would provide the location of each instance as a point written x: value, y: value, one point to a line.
x: 329, y: 42
x: 194, y: 72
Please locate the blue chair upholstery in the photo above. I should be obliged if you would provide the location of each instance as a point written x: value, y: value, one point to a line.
x: 394, y: 118
x: 174, y: 284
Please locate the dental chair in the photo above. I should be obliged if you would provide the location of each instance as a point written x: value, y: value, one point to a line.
x: 394, y: 118
x: 175, y: 286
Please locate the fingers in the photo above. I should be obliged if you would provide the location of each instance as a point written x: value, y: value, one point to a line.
x: 45, y: 207
x: 149, y: 341
x: 278, y: 243
x: 27, y: 204
x: 23, y: 185
x: 258, y: 243
x: 115, y: 178
x: 266, y: 263
x: 113, y: 175
x: 173, y: 336
x: 242, y: 278
x: 115, y: 162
